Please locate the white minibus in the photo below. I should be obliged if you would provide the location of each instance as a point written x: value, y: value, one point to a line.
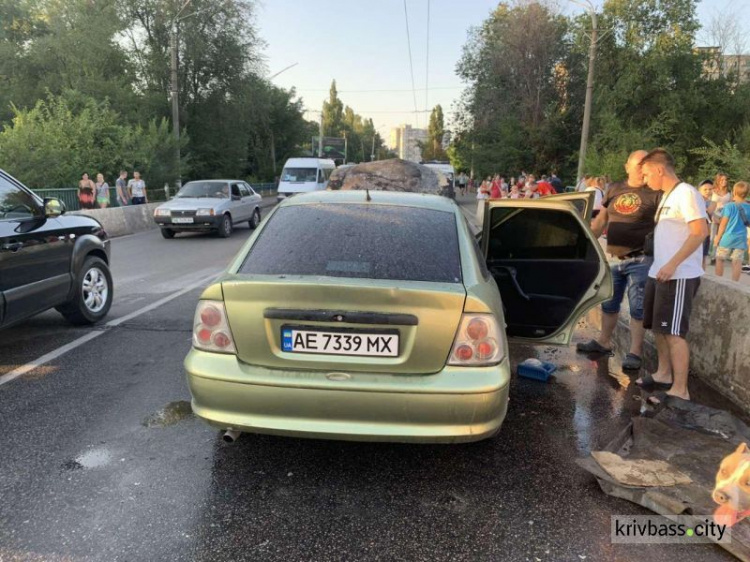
x: 304, y: 174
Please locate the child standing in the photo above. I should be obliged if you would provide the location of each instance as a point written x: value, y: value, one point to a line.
x: 731, y: 239
x: 706, y: 189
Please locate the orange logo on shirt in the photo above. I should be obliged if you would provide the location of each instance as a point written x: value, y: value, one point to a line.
x: 628, y: 203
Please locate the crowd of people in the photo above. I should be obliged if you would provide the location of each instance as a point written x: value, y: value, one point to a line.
x: 95, y: 194
x: 729, y: 231
x: 659, y: 233
x: 526, y: 186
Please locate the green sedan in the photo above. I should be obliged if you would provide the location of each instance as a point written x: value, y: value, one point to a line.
x: 380, y: 316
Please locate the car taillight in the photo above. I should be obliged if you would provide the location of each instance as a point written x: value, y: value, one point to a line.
x: 478, y: 341
x: 210, y: 328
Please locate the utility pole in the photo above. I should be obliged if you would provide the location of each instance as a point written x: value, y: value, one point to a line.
x: 589, y: 89
x: 174, y: 87
x: 175, y: 102
x: 320, y: 137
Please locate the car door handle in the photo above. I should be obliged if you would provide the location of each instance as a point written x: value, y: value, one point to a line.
x: 12, y: 246
x: 511, y: 273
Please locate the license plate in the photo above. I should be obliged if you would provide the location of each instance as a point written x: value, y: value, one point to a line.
x: 356, y: 343
x: 177, y: 220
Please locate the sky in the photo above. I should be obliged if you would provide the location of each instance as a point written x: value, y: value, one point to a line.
x: 363, y: 45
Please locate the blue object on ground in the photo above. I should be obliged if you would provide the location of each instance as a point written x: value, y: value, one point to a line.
x: 536, y: 372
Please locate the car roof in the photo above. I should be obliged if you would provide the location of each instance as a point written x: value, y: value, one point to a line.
x: 398, y: 198
x: 308, y: 160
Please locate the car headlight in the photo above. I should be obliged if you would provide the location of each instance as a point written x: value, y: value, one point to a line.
x: 204, y: 213
x: 162, y: 213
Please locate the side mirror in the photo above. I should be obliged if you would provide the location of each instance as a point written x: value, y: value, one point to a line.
x: 53, y: 207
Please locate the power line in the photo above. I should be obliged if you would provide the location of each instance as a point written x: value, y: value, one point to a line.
x: 411, y: 65
x: 302, y: 89
x: 427, y: 61
x: 363, y: 111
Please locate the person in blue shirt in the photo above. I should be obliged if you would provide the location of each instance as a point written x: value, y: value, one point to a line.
x: 731, y: 239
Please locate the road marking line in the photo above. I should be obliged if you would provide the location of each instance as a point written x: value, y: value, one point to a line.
x: 52, y: 355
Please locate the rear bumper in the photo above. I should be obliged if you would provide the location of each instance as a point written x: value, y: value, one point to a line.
x: 452, y: 406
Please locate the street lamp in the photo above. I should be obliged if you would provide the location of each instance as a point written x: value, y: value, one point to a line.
x: 589, y: 87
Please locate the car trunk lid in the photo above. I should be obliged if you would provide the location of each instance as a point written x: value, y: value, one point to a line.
x: 423, y: 315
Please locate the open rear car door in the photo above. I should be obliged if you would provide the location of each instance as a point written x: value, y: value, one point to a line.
x: 548, y: 265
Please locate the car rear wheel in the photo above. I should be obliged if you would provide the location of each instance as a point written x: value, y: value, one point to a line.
x: 225, y: 228
x: 167, y: 233
x: 93, y: 293
x: 255, y: 221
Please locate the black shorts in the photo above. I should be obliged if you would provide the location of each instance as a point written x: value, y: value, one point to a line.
x: 667, y: 306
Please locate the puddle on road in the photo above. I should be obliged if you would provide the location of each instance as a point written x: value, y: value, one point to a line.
x: 95, y: 458
x: 170, y: 414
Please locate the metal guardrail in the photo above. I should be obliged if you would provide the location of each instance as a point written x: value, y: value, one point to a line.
x: 69, y: 195
x: 264, y: 189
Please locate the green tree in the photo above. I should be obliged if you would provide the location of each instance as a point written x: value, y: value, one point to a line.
x: 61, y: 137
x: 52, y: 46
x: 362, y: 139
x: 511, y: 113
x: 433, y: 148
x: 333, y: 113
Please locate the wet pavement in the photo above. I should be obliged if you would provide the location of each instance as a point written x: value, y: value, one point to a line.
x: 102, y: 460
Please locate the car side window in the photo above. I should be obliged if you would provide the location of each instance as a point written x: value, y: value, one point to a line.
x: 537, y: 234
x: 243, y: 190
x: 235, y: 190
x: 321, y: 178
x: 15, y: 203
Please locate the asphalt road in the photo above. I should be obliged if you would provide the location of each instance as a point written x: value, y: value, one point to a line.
x: 100, y: 458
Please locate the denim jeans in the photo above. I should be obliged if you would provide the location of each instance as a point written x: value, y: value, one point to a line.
x: 630, y: 274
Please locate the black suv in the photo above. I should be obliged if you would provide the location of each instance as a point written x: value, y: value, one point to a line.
x: 48, y: 259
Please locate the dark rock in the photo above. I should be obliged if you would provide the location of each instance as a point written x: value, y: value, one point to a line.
x: 389, y: 175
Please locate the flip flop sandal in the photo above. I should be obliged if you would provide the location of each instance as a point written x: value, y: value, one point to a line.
x: 631, y: 362
x: 654, y: 404
x: 592, y: 346
x: 647, y: 381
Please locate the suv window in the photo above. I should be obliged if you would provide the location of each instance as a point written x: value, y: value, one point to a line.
x: 364, y: 241
x: 15, y: 203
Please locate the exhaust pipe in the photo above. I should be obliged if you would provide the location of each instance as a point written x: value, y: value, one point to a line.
x: 231, y: 435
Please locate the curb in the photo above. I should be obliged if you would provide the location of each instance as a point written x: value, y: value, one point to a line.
x: 124, y: 221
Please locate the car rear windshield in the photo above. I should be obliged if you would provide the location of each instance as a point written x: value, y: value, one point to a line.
x: 362, y: 241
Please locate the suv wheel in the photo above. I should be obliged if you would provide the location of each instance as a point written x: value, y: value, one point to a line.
x: 93, y: 293
x: 167, y: 233
x: 255, y: 221
x: 225, y: 228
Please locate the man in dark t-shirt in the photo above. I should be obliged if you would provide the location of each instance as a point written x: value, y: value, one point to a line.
x: 628, y: 212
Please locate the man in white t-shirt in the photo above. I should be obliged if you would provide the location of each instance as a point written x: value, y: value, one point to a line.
x: 137, y: 190
x: 674, y: 277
